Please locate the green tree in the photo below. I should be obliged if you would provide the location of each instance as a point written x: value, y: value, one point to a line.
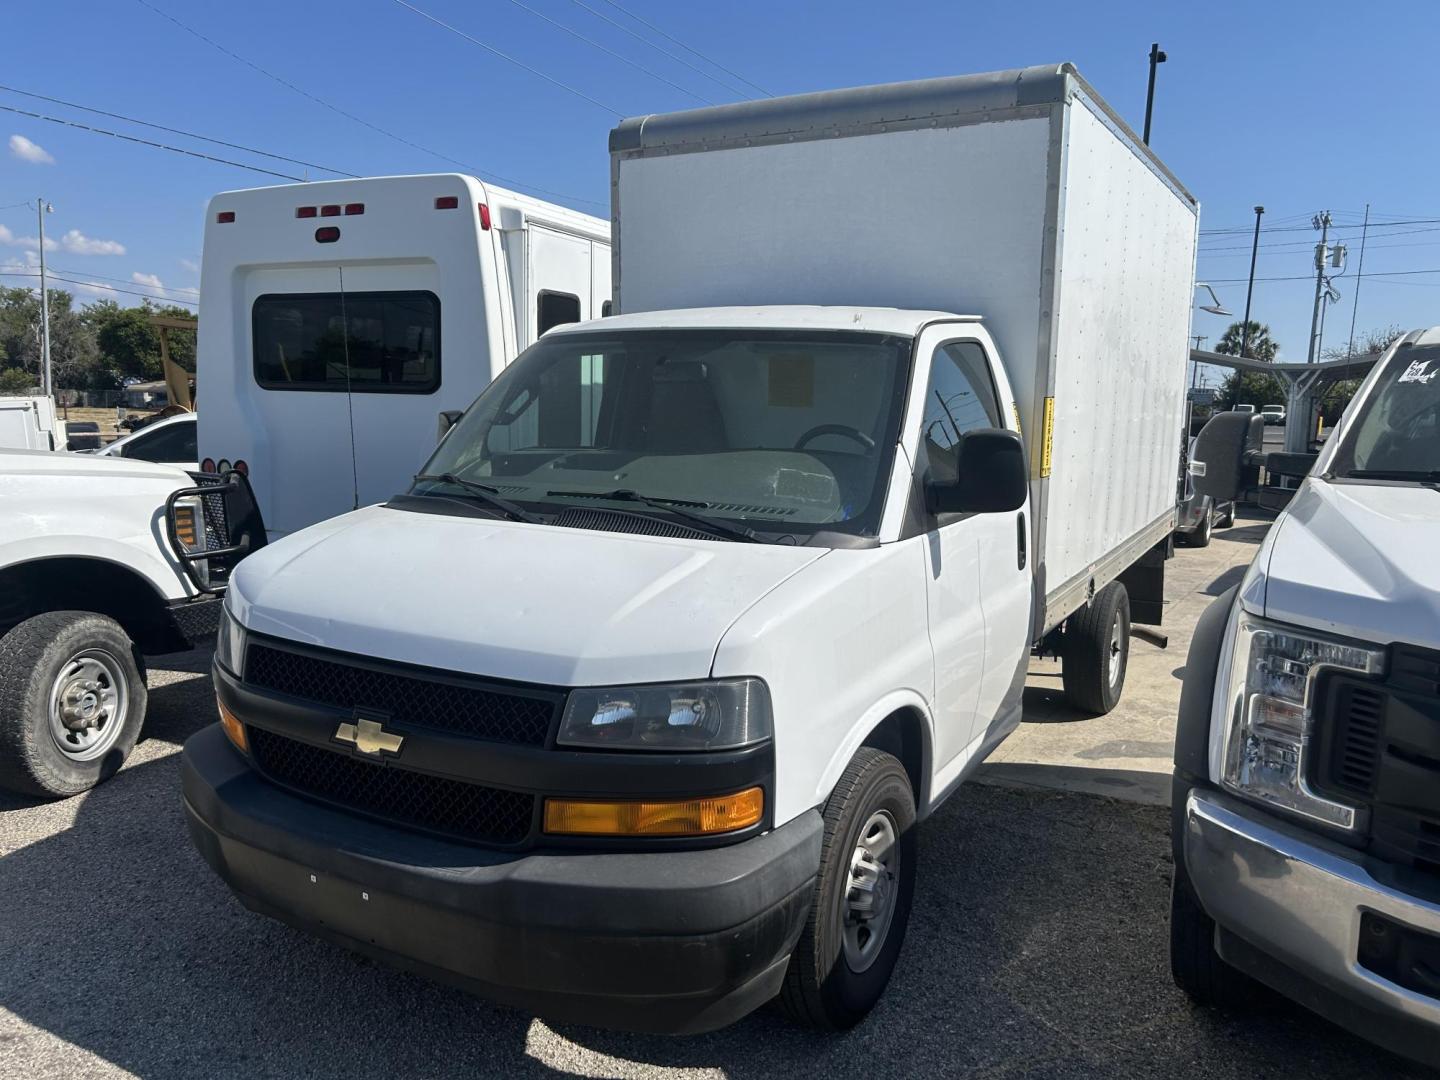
x: 1250, y: 388
x: 131, y: 346
x: 72, y: 342
x: 15, y: 382
x: 1260, y: 346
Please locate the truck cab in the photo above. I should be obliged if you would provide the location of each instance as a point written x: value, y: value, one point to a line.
x: 1307, y: 769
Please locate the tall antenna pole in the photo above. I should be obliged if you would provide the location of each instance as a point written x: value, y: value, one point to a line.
x: 1359, y: 273
x: 1321, y: 222
x: 1250, y: 289
x: 47, y: 386
x: 1157, y: 57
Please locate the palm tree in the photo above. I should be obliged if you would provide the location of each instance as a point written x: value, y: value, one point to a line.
x: 1259, y: 346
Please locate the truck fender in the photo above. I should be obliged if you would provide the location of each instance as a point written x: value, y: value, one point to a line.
x: 154, y: 565
x: 891, y: 703
x: 1197, y: 693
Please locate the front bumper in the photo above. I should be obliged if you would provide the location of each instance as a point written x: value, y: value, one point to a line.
x: 1289, y: 908
x: 675, y: 942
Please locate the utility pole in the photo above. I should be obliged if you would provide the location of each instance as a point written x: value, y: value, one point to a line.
x: 1250, y: 289
x: 1199, y: 340
x: 1157, y: 57
x: 1321, y: 221
x: 1359, y: 273
x: 47, y: 386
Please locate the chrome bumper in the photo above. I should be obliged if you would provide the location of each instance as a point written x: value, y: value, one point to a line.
x: 1299, y: 900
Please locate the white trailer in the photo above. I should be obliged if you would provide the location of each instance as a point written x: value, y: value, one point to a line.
x: 29, y: 423
x: 341, y: 320
x: 1018, y: 196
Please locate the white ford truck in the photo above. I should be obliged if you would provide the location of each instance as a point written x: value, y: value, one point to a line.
x: 1307, y: 767
x: 102, y: 562
x: 627, y: 710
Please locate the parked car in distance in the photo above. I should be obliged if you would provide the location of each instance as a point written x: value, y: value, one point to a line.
x: 1307, y: 752
x: 1273, y: 414
x: 82, y: 436
x: 30, y: 423
x: 94, y: 577
x: 169, y: 442
x: 1243, y: 408
x: 626, y: 710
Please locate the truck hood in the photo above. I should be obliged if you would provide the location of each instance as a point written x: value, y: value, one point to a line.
x: 1359, y: 560
x: 64, y: 463
x: 533, y: 603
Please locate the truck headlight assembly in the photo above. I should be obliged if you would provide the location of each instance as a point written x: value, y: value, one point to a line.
x: 230, y: 643
x: 1265, y: 711
x: 717, y: 714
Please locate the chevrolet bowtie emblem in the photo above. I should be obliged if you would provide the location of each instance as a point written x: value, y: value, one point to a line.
x: 369, y: 737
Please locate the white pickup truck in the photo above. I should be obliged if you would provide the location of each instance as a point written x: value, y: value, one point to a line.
x: 627, y: 710
x: 99, y: 567
x: 1307, y: 759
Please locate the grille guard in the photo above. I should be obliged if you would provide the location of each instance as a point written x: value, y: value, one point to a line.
x: 233, y: 528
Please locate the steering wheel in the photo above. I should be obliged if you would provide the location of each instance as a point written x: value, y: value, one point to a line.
x: 835, y: 429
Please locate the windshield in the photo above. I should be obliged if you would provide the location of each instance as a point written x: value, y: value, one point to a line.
x: 784, y: 432
x: 1396, y: 432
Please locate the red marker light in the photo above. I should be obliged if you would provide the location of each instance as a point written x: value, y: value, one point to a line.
x: 328, y: 235
x: 484, y: 217
x: 447, y: 202
x: 354, y: 208
x: 208, y: 465
x: 305, y: 211
x: 333, y: 210
x: 224, y: 217
x: 242, y: 468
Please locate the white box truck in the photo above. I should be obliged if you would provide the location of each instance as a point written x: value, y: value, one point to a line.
x: 627, y: 711
x: 30, y: 423
x: 341, y: 321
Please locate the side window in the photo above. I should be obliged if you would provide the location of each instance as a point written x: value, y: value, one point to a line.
x: 959, y: 398
x: 174, y: 442
x: 555, y: 309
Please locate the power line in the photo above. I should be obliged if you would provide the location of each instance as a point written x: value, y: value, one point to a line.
x: 1311, y: 228
x: 662, y: 51
x: 694, y: 52
x: 96, y: 285
x: 351, y: 116
x: 148, y: 142
x: 175, y: 131
x: 1311, y: 277
x: 606, y: 49
x: 508, y: 58
x: 1303, y: 244
x: 126, y: 281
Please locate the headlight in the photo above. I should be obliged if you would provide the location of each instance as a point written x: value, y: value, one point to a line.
x: 1265, y: 710
x: 189, y: 518
x: 720, y: 714
x: 230, y: 643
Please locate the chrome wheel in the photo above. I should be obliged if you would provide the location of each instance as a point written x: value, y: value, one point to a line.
x: 870, y: 893
x: 1117, y: 646
x: 88, y: 705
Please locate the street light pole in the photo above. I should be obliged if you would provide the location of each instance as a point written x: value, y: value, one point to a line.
x: 1249, y: 289
x: 47, y: 387
x: 1321, y: 222
x: 1157, y: 57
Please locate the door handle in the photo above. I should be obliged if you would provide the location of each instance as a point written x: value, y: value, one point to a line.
x: 1020, y: 540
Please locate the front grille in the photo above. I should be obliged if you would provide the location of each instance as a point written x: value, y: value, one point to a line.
x: 1379, y: 745
x: 425, y: 698
x: 418, y: 800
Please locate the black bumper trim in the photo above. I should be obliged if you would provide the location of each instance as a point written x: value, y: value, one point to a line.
x: 197, y: 620
x: 677, y: 941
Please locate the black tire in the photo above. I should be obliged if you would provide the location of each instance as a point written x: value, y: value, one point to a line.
x: 822, y: 989
x: 1194, y: 964
x: 67, y: 651
x: 1200, y: 537
x: 1227, y: 519
x: 1095, y: 651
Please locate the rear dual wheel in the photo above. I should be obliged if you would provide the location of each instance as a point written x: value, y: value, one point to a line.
x: 1095, y: 651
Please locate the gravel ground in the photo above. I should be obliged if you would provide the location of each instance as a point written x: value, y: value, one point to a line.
x: 1036, y: 949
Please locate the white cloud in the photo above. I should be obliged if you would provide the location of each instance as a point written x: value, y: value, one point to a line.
x: 191, y: 265
x: 77, y: 243
x: 26, y: 150
x: 153, y: 283
x: 150, y: 281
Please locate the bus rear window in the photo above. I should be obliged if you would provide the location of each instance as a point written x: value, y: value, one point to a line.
x: 366, y: 342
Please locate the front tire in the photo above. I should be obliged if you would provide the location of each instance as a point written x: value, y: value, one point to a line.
x: 1227, y: 519
x: 1201, y: 536
x: 72, y: 702
x: 1095, y: 651
x: 1194, y: 964
x: 852, y: 937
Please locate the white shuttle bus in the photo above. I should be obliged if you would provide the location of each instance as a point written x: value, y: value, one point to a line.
x: 340, y: 321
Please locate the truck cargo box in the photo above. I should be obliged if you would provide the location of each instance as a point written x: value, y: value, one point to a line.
x: 1017, y: 196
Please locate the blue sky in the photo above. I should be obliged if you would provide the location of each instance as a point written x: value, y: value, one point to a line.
x: 1300, y: 107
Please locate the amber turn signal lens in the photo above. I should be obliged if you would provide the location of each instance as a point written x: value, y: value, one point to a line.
x: 185, y: 526
x: 234, y: 729
x: 687, y: 817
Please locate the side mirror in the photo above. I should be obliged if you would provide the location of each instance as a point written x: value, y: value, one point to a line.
x: 1222, y: 454
x: 448, y: 419
x: 992, y: 476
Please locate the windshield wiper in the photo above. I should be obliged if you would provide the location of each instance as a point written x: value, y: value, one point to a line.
x: 670, y: 506
x: 487, y: 495
x: 1423, y: 476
